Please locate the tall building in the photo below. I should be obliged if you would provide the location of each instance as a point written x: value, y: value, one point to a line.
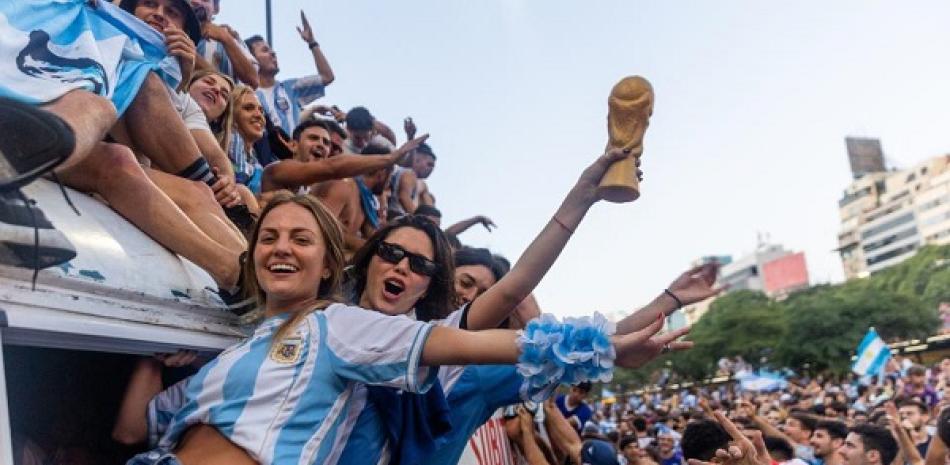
x: 771, y: 269
x: 886, y: 217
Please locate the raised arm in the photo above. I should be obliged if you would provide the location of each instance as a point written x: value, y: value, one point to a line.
x: 323, y: 66
x: 492, y: 307
x: 462, y: 226
x: 694, y: 285
x: 385, y: 131
x: 245, y: 66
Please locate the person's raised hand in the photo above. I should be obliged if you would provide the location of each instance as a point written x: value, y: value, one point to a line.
x: 180, y: 46
x: 410, y: 127
x: 407, y: 148
x: 637, y: 348
x: 741, y: 450
x: 586, y: 186
x: 486, y: 222
x: 696, y: 284
x: 305, y: 31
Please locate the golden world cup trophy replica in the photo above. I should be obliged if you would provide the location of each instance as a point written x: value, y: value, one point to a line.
x: 631, y: 104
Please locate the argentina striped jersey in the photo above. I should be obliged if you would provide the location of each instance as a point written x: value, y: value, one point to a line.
x: 296, y: 401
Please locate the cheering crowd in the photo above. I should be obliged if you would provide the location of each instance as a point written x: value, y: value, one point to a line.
x: 899, y: 418
x: 379, y: 337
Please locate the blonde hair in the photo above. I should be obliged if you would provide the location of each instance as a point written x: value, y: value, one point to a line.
x: 221, y: 126
x: 329, y: 289
x: 240, y: 90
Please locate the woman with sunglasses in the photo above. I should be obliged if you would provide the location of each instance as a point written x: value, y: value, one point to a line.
x: 290, y: 392
x: 406, y: 269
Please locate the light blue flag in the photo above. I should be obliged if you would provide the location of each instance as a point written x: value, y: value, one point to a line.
x: 51, y: 47
x: 873, y: 353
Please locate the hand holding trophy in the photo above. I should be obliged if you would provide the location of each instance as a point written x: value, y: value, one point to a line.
x: 630, y: 108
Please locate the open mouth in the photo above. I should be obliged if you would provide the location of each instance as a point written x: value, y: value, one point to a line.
x: 282, y: 268
x: 393, y: 287
x: 212, y: 98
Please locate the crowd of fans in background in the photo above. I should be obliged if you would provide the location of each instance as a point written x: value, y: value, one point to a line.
x: 899, y: 418
x: 192, y: 166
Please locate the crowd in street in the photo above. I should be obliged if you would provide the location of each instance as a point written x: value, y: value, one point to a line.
x: 898, y: 418
x: 380, y: 336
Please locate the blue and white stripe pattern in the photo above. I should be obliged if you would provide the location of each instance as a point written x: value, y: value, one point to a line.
x: 51, y: 47
x: 284, y: 101
x: 473, y: 392
x: 216, y: 54
x: 873, y: 353
x: 296, y: 401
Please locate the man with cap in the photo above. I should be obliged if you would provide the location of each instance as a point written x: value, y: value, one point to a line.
x: 598, y: 452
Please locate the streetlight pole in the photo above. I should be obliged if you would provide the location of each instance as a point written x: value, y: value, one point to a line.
x: 270, y: 39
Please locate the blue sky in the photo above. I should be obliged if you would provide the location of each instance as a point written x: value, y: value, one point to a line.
x: 753, y: 101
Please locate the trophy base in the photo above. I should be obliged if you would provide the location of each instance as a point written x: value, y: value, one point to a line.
x: 618, y: 194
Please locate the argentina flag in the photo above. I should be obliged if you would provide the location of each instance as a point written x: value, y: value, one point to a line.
x: 873, y: 353
x: 51, y: 47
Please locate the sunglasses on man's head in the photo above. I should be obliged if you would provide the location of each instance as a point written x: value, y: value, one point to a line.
x: 394, y: 254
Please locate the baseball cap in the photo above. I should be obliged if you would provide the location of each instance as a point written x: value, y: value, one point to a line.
x: 597, y: 452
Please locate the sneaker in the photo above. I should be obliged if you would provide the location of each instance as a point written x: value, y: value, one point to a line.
x: 32, y: 142
x: 237, y: 300
x: 27, y: 238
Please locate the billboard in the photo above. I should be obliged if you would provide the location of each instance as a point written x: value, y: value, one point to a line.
x: 865, y: 156
x: 785, y: 273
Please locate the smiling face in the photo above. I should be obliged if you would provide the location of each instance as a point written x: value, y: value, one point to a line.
x: 394, y: 289
x: 249, y: 117
x: 212, y: 93
x: 160, y: 14
x: 289, y: 257
x: 314, y: 143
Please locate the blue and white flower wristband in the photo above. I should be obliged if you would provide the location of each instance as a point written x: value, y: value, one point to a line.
x: 577, y: 350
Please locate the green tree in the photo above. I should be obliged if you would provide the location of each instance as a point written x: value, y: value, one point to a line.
x: 826, y: 323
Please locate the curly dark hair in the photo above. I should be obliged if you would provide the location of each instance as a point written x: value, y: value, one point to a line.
x: 439, y: 298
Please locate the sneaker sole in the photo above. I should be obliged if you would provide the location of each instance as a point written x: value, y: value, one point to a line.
x: 17, y: 247
x: 21, y: 124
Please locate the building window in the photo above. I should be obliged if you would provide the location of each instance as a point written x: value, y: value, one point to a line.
x: 870, y: 247
x: 891, y: 254
x: 907, y: 217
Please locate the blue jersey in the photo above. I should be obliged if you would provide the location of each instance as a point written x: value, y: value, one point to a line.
x: 51, y: 47
x: 216, y: 54
x: 296, y: 400
x: 284, y: 101
x: 473, y: 393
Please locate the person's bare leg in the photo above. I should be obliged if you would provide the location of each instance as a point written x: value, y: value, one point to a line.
x: 90, y: 117
x: 197, y: 201
x: 157, y: 130
x: 113, y: 173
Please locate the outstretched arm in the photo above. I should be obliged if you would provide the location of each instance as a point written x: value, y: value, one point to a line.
x: 492, y: 307
x: 292, y: 173
x: 462, y: 226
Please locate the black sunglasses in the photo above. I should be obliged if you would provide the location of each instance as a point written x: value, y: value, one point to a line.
x: 394, y: 254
